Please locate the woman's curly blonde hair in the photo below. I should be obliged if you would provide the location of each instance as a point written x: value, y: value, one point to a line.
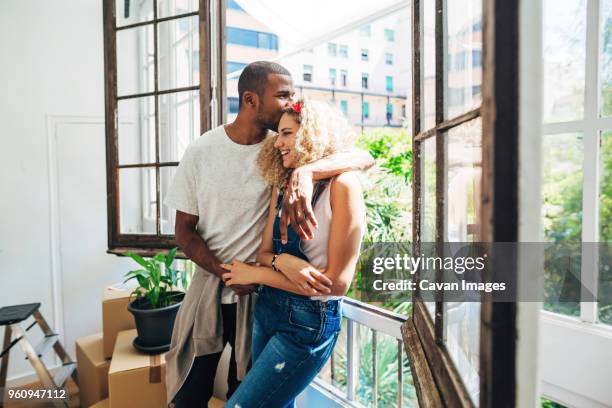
x: 323, y: 130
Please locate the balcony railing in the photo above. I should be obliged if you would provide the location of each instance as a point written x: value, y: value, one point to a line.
x: 379, y: 323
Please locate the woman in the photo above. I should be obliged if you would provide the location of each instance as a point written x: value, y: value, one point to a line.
x: 298, y: 315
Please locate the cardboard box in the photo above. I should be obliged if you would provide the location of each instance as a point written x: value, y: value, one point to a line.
x: 135, y: 379
x: 115, y: 316
x: 92, y: 369
x: 100, y: 404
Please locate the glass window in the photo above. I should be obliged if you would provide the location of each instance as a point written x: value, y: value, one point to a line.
x: 240, y: 36
x: 605, y: 229
x: 344, y: 51
x: 133, y: 12
x: 344, y: 106
x: 178, y: 53
x: 332, y: 76
x: 463, y: 71
x: 562, y: 220
x: 179, y: 123
x: 153, y: 130
x: 231, y: 4
x: 364, y: 80
x: 388, y: 58
x: 332, y: 49
x: 462, y: 197
x: 137, y: 201
x: 389, y: 83
x: 427, y: 152
x: 344, y: 77
x: 389, y: 34
x: 389, y: 112
x: 135, y: 71
x: 169, y: 8
x: 364, y: 54
x: 564, y: 43
x: 365, y: 109
x: 428, y: 56
x: 232, y: 105
x: 250, y: 38
x: 365, y: 31
x: 307, y: 73
x: 605, y: 56
x: 235, y: 66
x: 136, y: 133
x: 267, y: 41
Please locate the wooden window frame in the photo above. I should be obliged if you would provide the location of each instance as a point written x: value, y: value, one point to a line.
x: 439, y: 383
x: 211, y: 27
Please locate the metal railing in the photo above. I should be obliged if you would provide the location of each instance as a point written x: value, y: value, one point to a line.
x: 379, y: 321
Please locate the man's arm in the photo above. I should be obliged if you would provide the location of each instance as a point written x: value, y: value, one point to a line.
x: 297, y: 209
x: 192, y: 244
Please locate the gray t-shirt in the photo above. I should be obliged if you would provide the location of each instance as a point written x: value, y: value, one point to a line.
x: 219, y: 181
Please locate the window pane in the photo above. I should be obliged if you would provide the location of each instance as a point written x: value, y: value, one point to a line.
x: 167, y: 8
x: 235, y: 67
x: 130, y: 12
x: 135, y: 71
x: 428, y: 200
x: 178, y: 53
x: 428, y: 190
x: 179, y: 123
x: 564, y: 59
x: 137, y: 204
x: 605, y: 230
x: 462, y: 68
x: 464, y: 156
x: 462, y: 197
x: 136, y: 130
x: 562, y: 180
x: 606, y: 58
x: 168, y: 215
x: 428, y: 75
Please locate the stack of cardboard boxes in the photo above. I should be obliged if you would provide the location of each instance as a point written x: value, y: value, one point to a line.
x: 111, y: 372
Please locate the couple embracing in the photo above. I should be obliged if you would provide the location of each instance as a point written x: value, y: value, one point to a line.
x: 273, y: 221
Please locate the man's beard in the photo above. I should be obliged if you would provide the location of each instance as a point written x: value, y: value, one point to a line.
x: 267, y: 122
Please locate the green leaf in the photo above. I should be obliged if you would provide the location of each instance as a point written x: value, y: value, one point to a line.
x: 184, y: 279
x: 139, y: 259
x: 143, y: 282
x: 170, y: 257
x: 136, y: 272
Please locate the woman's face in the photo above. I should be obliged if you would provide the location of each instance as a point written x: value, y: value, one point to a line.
x: 285, y: 142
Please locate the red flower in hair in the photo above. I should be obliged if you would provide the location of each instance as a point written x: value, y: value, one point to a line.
x: 297, y: 107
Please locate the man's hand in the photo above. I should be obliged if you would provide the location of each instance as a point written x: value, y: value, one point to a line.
x: 303, y: 274
x: 239, y: 289
x: 296, y: 210
x: 242, y: 290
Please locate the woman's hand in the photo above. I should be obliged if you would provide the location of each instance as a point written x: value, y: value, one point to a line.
x: 238, y: 273
x: 303, y: 274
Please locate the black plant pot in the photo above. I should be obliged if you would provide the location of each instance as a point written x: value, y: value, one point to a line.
x: 154, y: 326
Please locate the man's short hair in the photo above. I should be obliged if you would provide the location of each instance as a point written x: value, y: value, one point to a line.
x: 254, y: 77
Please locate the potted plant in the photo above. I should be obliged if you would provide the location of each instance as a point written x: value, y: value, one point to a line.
x: 157, y: 301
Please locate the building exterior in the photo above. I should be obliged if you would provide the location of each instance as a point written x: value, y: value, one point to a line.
x: 365, y: 71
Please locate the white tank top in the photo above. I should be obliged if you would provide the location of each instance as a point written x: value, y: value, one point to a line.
x: 315, y: 249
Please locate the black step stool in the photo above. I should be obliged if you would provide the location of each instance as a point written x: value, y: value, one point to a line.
x: 11, y: 316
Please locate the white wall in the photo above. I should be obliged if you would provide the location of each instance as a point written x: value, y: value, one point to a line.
x: 575, y: 362
x: 52, y: 176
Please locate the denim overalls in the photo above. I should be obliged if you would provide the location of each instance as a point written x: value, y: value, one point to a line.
x: 293, y: 337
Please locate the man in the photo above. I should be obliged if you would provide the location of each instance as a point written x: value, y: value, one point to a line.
x: 222, y: 204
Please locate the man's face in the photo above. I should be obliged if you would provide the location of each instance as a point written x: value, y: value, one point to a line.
x: 277, y: 95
